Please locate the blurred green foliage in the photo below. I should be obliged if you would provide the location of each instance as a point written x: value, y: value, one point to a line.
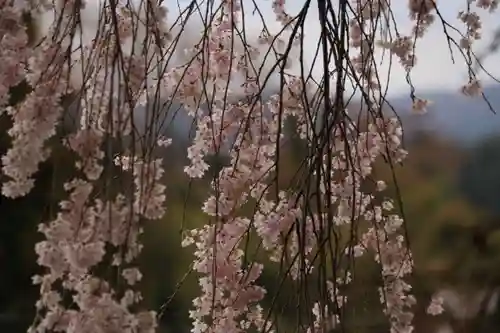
x: 453, y: 235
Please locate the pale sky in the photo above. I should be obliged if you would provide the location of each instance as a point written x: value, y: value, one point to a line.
x: 434, y: 69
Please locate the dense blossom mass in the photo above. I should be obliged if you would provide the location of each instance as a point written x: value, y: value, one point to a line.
x: 123, y: 65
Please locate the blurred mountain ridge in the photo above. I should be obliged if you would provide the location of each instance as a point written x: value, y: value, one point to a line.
x: 453, y: 116
x: 461, y: 119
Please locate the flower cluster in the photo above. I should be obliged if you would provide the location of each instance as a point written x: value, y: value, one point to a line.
x: 35, y: 118
x: 256, y: 129
x: 13, y: 49
x: 436, y: 305
x: 74, y: 246
x: 75, y: 294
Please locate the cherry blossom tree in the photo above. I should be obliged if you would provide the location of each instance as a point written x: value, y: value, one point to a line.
x: 119, y: 69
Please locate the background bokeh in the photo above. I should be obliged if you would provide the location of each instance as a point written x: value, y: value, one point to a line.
x: 450, y: 186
